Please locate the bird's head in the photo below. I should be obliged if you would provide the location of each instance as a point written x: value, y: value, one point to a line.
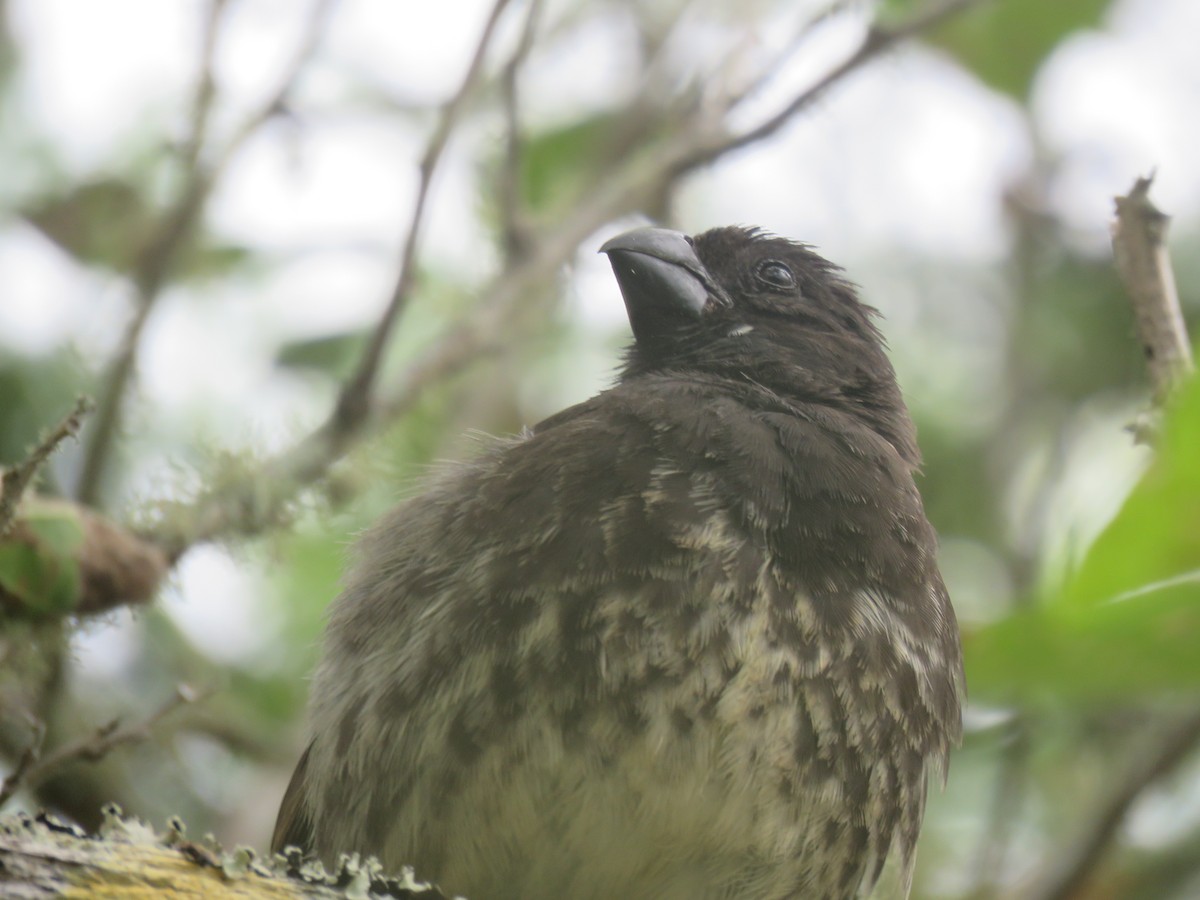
x: 761, y: 311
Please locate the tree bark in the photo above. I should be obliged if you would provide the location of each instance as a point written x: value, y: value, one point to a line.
x: 41, y: 858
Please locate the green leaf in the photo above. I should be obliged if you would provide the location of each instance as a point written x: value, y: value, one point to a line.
x: 110, y: 221
x: 1155, y: 537
x: 210, y: 259
x: 103, y: 222
x: 556, y: 163
x: 30, y: 384
x: 1005, y: 42
x: 42, y: 572
x: 1128, y: 622
x: 1121, y: 650
x: 331, y: 354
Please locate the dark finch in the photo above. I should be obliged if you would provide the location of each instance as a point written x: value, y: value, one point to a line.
x: 684, y: 640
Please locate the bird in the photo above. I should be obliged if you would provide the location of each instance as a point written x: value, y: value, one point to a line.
x: 685, y: 639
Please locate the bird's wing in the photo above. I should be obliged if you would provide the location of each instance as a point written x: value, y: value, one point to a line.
x: 292, y: 826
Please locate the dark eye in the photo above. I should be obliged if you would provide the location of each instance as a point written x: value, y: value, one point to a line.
x: 775, y: 274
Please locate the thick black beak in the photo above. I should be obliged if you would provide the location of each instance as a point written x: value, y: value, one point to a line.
x: 662, y: 280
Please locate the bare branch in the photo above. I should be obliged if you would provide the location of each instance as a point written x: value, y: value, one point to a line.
x: 877, y: 41
x: 354, y: 404
x: 206, y: 92
x: 736, y: 94
x: 18, y: 478
x: 513, y: 227
x: 253, y: 503
x: 1139, y: 235
x: 277, y: 103
x: 248, y: 507
x: 29, y: 756
x: 1009, y: 795
x: 1077, y: 866
x: 1164, y: 870
x: 95, y: 746
x: 161, y: 252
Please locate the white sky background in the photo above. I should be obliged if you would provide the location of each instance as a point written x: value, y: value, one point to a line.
x: 906, y: 158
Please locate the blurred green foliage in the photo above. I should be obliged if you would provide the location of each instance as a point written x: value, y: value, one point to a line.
x: 558, y: 162
x: 1058, y: 664
x: 1126, y: 625
x: 110, y: 221
x: 1155, y: 538
x: 1006, y: 42
x: 39, y: 569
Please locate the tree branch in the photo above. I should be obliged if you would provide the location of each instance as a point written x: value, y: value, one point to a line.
x: 1078, y: 865
x: 1007, y: 799
x: 29, y: 756
x: 43, y: 857
x: 160, y: 254
x: 1139, y: 235
x: 206, y: 85
x: 34, y: 768
x: 513, y: 227
x: 875, y: 43
x: 17, y: 479
x: 354, y: 403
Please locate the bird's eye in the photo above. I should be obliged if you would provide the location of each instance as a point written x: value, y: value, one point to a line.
x: 775, y: 274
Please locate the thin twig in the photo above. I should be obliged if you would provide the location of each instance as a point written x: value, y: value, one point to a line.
x: 877, y: 41
x: 206, y: 87
x: 481, y: 333
x: 1007, y: 798
x: 1026, y: 551
x: 1139, y: 238
x: 354, y: 403
x: 158, y: 257
x: 91, y: 748
x: 16, y: 480
x: 514, y: 229
x: 278, y: 102
x: 253, y: 503
x: 152, y: 264
x: 29, y: 756
x: 245, y: 511
x: 736, y: 95
x: 1077, y: 866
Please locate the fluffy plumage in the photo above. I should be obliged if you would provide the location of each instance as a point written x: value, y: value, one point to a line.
x: 686, y: 639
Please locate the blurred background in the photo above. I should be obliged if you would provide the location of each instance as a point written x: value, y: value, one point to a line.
x: 205, y: 210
